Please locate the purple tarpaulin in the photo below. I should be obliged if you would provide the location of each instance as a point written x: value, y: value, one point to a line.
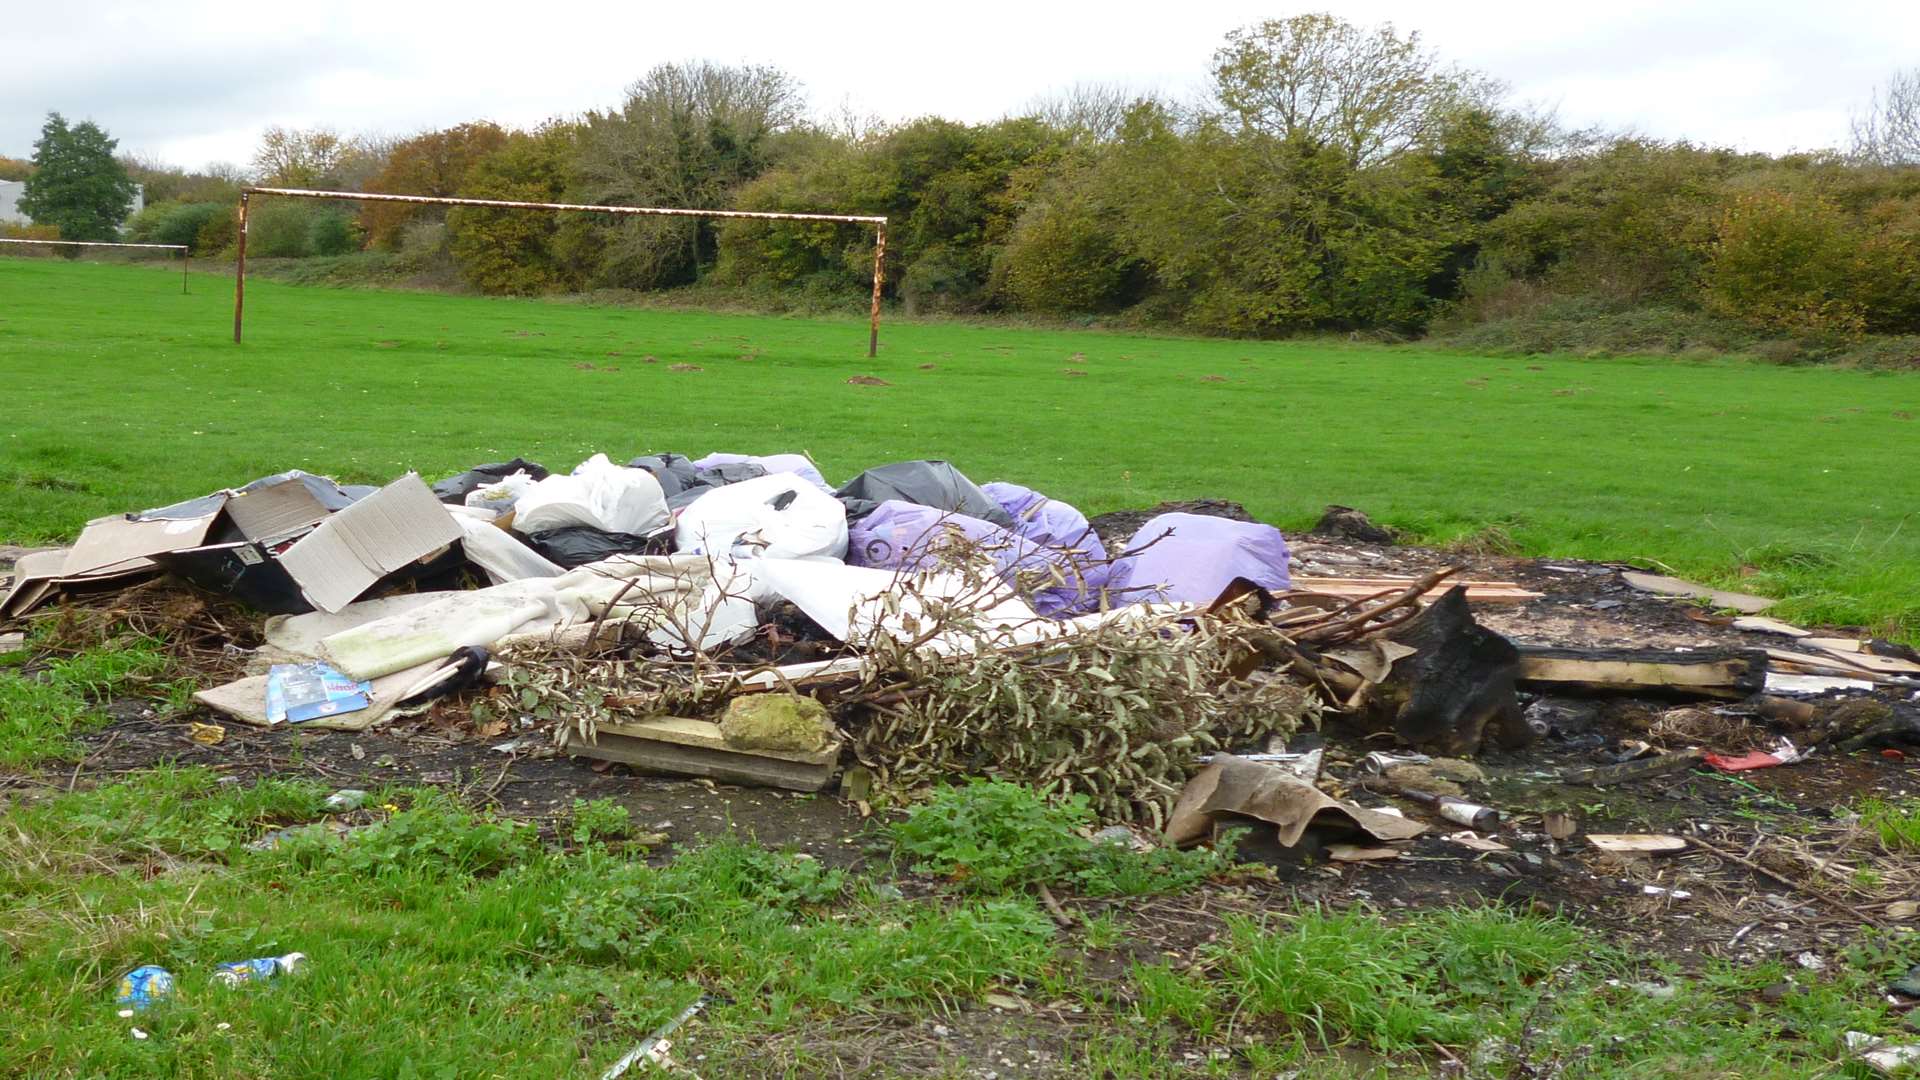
x: 907, y: 536
x: 773, y: 463
x: 1197, y: 562
x: 1047, y: 522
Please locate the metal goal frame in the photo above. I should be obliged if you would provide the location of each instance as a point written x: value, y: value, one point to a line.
x: 186, y: 255
x: 246, y: 194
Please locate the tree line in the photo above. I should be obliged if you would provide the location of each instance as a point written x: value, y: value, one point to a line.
x: 1335, y: 178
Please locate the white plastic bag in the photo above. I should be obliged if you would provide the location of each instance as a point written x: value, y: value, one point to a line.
x: 599, y: 495
x: 503, y: 558
x: 779, y: 516
x: 500, y: 497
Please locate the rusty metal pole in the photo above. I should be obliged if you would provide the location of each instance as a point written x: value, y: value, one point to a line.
x: 879, y: 262
x: 240, y: 271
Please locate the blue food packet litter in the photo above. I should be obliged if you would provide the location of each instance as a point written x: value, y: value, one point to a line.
x: 300, y: 692
x: 143, y: 986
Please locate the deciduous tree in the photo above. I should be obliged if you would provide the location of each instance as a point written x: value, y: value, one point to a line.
x: 1367, y: 93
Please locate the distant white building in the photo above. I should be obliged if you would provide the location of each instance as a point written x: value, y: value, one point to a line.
x: 11, y: 190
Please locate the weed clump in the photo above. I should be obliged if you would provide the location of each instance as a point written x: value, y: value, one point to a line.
x: 994, y: 838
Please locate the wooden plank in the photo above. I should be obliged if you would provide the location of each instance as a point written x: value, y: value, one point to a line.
x: 1832, y: 644
x: 1885, y: 665
x: 1390, y: 582
x: 1761, y: 624
x: 751, y: 768
x: 1483, y: 592
x: 705, y: 735
x: 1636, y: 843
x: 1853, y: 665
x: 1637, y: 769
x: 1731, y: 674
x: 1661, y: 585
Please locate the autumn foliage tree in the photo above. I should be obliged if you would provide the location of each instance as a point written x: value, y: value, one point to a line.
x: 524, y: 252
x: 435, y: 163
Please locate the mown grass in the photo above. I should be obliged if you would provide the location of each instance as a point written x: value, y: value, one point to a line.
x: 444, y: 942
x: 123, y: 393
x: 41, y: 710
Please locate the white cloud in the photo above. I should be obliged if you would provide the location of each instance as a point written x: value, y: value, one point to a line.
x: 192, y: 81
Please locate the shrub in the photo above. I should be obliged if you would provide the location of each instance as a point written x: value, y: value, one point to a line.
x: 1062, y: 259
x: 331, y: 233
x: 216, y: 235
x: 1783, y: 261
x: 177, y: 223
x: 280, y: 228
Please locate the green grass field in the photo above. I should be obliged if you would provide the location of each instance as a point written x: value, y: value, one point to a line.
x: 449, y: 941
x: 121, y: 393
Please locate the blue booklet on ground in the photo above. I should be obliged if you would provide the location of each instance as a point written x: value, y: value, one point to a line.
x: 299, y: 692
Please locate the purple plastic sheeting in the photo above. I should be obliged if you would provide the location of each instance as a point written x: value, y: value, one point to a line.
x: 901, y: 535
x: 1047, y: 522
x: 799, y: 464
x: 1196, y: 563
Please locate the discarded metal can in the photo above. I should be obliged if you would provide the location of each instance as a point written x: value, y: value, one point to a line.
x: 1380, y: 761
x: 143, y: 986
x: 1472, y: 815
x: 258, y: 970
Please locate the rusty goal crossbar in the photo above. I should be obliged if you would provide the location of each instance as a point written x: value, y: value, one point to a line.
x: 879, y: 236
x: 186, y: 256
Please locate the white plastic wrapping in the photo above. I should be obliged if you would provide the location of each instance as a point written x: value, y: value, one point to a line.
x: 500, y: 555
x: 598, y: 495
x: 780, y: 516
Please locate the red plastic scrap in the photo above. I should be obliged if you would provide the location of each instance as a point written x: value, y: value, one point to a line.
x: 1752, y: 759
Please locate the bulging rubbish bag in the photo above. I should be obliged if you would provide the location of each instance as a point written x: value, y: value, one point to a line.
x: 684, y: 483
x: 901, y: 535
x: 454, y: 488
x: 598, y: 495
x: 781, y: 516
x: 578, y: 545
x: 799, y: 464
x: 930, y: 483
x: 1193, y: 558
x: 1047, y: 522
x: 498, y: 498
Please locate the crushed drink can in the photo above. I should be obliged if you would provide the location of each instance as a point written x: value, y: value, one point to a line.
x: 143, y: 986
x: 256, y: 970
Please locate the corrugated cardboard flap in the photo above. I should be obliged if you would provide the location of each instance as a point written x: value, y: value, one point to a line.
x: 356, y: 547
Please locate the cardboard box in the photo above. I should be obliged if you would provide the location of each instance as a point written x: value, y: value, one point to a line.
x: 243, y: 569
x: 347, y: 553
x: 118, y: 545
x: 110, y: 549
x: 277, y: 510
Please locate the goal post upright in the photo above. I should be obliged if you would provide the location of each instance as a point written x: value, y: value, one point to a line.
x: 879, y: 222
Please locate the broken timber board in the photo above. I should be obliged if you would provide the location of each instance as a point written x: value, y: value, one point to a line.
x: 1732, y: 674
x: 1761, y: 624
x: 1862, y: 665
x: 1637, y: 843
x: 1638, y: 769
x: 1661, y: 585
x: 1484, y: 592
x: 684, y: 747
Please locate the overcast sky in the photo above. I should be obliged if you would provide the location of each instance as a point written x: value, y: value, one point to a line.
x: 195, y: 81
